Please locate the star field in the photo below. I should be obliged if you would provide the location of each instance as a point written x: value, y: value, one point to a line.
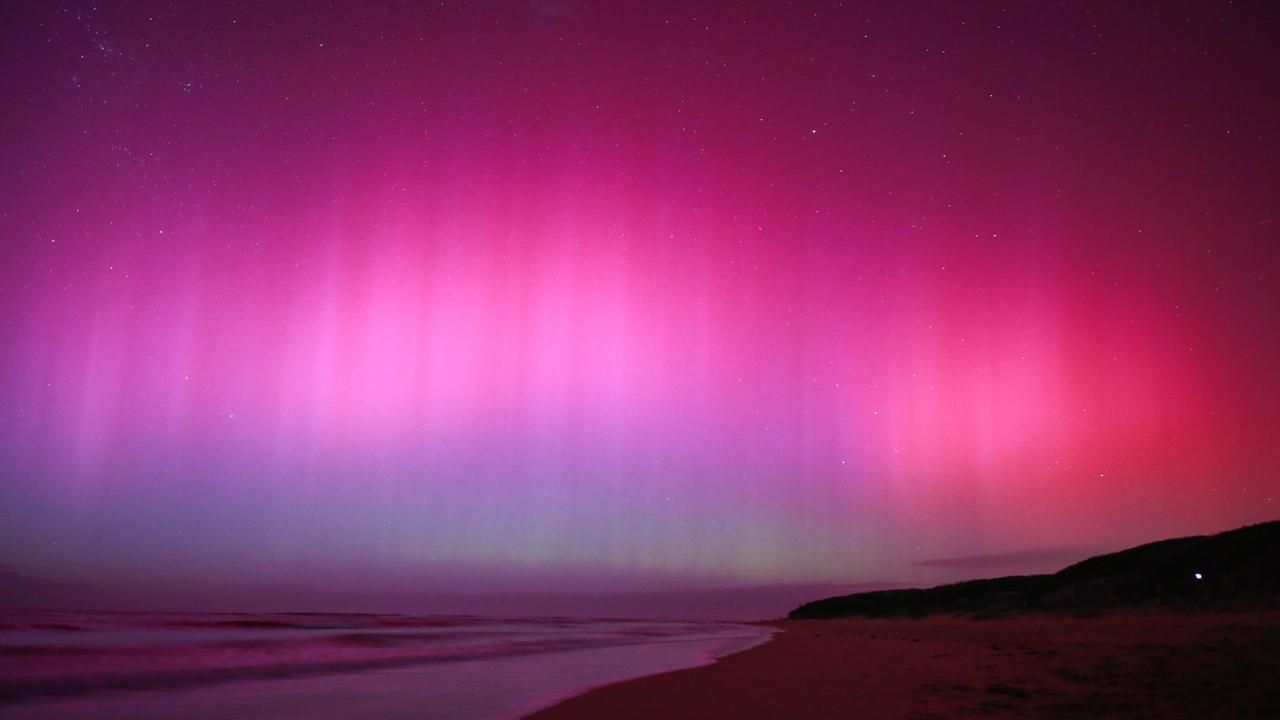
x: 566, y: 295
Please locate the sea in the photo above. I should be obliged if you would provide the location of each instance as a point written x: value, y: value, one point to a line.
x: 109, y: 666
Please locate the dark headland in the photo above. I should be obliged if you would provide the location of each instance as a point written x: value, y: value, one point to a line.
x: 1230, y: 569
x: 1132, y: 634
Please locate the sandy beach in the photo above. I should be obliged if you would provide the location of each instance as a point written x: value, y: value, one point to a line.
x: 1156, y: 665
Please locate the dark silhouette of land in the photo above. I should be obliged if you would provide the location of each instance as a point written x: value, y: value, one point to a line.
x: 1239, y: 568
x: 1132, y: 634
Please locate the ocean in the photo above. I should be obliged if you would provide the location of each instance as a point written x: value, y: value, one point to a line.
x: 109, y: 666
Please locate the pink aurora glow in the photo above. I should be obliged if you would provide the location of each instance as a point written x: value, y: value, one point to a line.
x: 596, y: 294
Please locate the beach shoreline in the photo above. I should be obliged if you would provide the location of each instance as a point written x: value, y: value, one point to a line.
x: 1121, y: 664
x: 68, y: 665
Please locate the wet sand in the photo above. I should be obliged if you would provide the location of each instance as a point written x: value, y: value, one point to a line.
x: 1154, y: 665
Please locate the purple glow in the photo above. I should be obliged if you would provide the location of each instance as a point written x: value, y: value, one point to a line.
x: 539, y: 298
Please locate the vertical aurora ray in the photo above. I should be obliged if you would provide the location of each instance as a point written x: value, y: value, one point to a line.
x: 482, y: 298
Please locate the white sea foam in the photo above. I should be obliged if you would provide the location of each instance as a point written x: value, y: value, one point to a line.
x: 206, y: 666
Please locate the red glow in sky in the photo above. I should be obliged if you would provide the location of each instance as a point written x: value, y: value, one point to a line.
x: 573, y: 296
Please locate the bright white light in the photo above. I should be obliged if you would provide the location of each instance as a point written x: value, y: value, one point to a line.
x: 1199, y: 576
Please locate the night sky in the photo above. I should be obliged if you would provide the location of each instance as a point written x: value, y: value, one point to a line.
x: 568, y: 296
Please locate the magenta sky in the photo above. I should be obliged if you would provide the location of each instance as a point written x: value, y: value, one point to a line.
x: 571, y: 296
